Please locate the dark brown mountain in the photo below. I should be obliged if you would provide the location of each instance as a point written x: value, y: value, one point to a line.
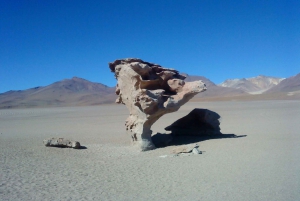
x: 68, y: 92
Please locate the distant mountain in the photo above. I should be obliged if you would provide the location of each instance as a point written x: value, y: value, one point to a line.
x: 191, y: 78
x: 291, y: 84
x: 212, y: 89
x: 78, y: 91
x: 68, y: 92
x: 254, y: 85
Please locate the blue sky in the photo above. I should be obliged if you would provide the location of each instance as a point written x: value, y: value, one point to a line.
x: 46, y: 41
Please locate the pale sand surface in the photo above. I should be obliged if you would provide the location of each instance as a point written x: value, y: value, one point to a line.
x: 264, y: 165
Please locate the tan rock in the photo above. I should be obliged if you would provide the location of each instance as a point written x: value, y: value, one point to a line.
x: 183, y: 149
x: 149, y: 91
x: 61, y: 142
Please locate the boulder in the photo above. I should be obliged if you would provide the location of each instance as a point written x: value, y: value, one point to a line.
x: 149, y: 91
x: 61, y: 142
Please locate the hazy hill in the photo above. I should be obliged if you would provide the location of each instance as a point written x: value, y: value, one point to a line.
x: 254, y: 85
x: 68, y: 92
x: 291, y: 84
x: 191, y: 78
x: 212, y: 89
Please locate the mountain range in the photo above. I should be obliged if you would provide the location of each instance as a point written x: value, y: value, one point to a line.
x: 67, y: 92
x: 254, y: 85
x: 291, y: 85
x: 79, y: 92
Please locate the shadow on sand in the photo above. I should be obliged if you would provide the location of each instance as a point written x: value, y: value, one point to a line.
x: 199, y: 125
x: 64, y: 147
x: 163, y: 140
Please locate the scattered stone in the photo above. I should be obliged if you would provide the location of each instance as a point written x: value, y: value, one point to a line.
x: 196, y: 151
x: 183, y: 149
x: 187, y: 149
x: 149, y: 91
x: 61, y: 142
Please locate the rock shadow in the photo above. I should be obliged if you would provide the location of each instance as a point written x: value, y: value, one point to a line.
x: 163, y: 140
x: 65, y: 147
x: 199, y: 125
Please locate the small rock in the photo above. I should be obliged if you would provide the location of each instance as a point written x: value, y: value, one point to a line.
x: 196, y: 151
x: 183, y: 149
x: 61, y: 142
x: 186, y: 150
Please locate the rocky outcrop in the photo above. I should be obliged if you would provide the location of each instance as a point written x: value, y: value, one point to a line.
x: 149, y: 91
x: 61, y: 142
x: 199, y: 122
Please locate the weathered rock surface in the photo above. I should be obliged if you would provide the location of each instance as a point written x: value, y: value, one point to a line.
x: 149, y: 91
x: 183, y: 149
x: 61, y: 142
x: 199, y: 122
x: 187, y: 149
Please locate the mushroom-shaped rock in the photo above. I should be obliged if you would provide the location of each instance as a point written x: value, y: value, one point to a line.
x: 149, y: 91
x: 200, y: 122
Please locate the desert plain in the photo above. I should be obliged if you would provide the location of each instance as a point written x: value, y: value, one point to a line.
x: 261, y: 163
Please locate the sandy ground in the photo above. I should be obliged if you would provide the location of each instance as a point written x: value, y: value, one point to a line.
x: 264, y: 165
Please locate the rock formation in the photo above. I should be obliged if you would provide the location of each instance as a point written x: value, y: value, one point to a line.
x: 61, y: 142
x: 199, y: 122
x: 149, y: 91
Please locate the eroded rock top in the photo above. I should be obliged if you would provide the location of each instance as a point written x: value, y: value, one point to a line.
x: 151, y: 76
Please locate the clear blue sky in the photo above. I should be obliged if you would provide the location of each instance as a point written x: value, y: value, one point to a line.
x: 43, y: 41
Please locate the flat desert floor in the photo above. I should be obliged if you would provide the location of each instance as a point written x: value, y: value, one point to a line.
x: 262, y: 165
